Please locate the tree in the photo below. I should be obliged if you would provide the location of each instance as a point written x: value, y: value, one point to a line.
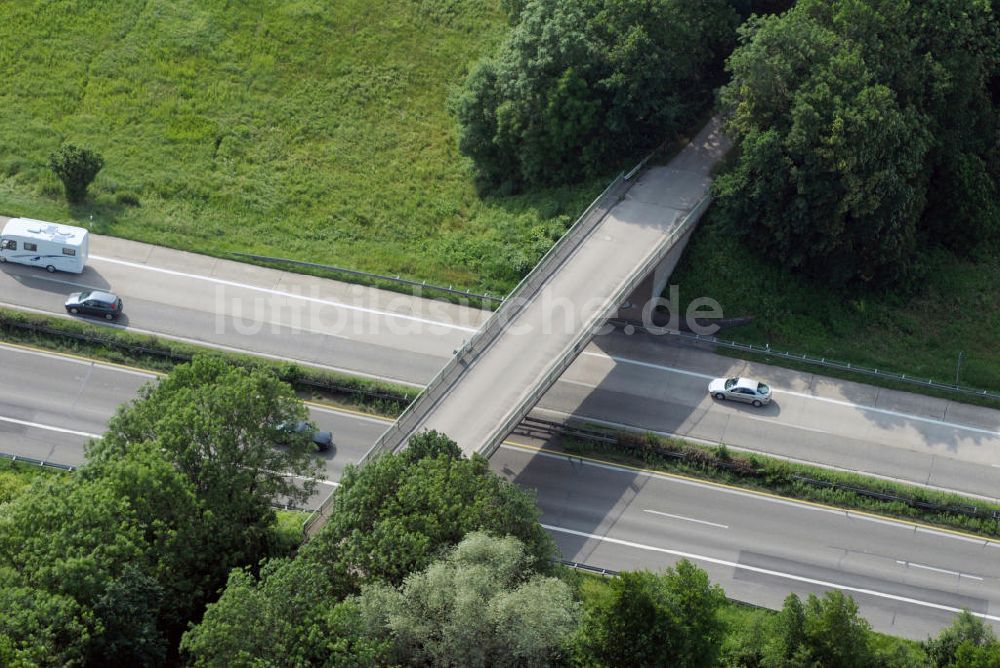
x: 481, y: 605
x: 580, y: 85
x: 130, y: 609
x: 76, y: 167
x: 865, y: 129
x: 823, y: 632
x: 111, y: 566
x: 747, y: 7
x: 217, y: 425
x: 290, y: 617
x: 967, y: 635
x: 70, y: 546
x: 656, y: 620
x: 41, y: 628
x: 389, y: 519
x: 393, y: 516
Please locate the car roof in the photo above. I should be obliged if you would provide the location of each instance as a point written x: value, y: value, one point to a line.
x: 748, y: 383
x: 100, y: 296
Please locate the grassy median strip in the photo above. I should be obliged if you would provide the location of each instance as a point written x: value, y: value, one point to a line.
x: 161, y: 354
x: 752, y: 471
x: 804, y: 482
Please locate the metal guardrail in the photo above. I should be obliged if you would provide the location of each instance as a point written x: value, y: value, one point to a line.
x: 698, y: 456
x: 44, y: 463
x: 525, y: 291
x: 393, y: 438
x: 576, y: 565
x: 175, y: 356
x: 423, y: 285
x: 585, y: 334
x: 821, y: 361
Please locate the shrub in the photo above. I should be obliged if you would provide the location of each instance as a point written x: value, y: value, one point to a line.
x: 76, y: 167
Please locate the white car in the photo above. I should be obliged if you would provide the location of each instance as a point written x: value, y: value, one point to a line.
x: 740, y: 389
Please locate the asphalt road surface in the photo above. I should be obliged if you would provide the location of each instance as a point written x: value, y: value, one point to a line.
x: 908, y: 580
x: 638, y: 381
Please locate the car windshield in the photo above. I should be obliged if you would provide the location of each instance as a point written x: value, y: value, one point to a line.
x: 84, y: 295
x: 762, y: 388
x: 731, y: 383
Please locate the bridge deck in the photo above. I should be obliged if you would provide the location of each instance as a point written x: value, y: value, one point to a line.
x: 574, y: 297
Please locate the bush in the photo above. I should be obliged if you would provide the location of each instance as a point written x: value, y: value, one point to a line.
x: 76, y: 167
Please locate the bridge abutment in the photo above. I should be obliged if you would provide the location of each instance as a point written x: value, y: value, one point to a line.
x: 651, y: 288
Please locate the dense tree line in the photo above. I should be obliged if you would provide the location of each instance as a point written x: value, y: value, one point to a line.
x: 579, y: 85
x: 355, y: 593
x: 108, y: 567
x: 867, y: 130
x: 428, y: 559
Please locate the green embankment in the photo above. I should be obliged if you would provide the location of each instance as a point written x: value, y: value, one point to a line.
x: 956, y: 310
x: 312, y: 130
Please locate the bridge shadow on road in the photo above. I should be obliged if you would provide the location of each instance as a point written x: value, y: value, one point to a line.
x: 579, y: 499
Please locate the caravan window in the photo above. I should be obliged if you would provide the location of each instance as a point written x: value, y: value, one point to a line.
x: 30, y: 247
x: 69, y: 251
x: 8, y: 244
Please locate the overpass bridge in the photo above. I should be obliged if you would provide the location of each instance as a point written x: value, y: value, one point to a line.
x: 621, y: 250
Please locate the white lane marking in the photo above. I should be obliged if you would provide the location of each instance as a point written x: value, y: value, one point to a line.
x: 912, y: 564
x: 36, y: 425
x: 280, y: 293
x: 767, y: 571
x: 686, y: 519
x: 847, y: 514
x: 77, y: 360
x: 348, y: 414
x: 694, y: 439
x: 802, y: 395
x: 217, y: 346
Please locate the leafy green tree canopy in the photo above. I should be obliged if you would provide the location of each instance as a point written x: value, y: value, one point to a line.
x: 481, y: 605
x: 965, y: 643
x: 823, y: 632
x: 89, y: 565
x: 218, y: 425
x: 865, y: 128
x: 76, y: 167
x: 579, y: 85
x: 291, y: 616
x: 670, y: 619
x: 392, y: 517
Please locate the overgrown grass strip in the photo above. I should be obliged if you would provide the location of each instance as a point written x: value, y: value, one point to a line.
x: 793, y: 480
x: 162, y: 354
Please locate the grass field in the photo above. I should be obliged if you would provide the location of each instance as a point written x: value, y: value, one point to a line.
x: 306, y: 129
x: 956, y: 310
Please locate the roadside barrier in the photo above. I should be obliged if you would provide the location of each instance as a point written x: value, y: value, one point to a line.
x: 766, y: 349
x: 637, y: 443
x: 375, y: 279
x: 44, y: 463
x: 297, y: 376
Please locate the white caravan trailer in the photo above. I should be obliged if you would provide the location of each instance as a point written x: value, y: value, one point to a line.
x: 42, y: 244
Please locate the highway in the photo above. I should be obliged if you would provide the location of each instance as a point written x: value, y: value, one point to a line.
x: 638, y: 381
x: 907, y: 580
